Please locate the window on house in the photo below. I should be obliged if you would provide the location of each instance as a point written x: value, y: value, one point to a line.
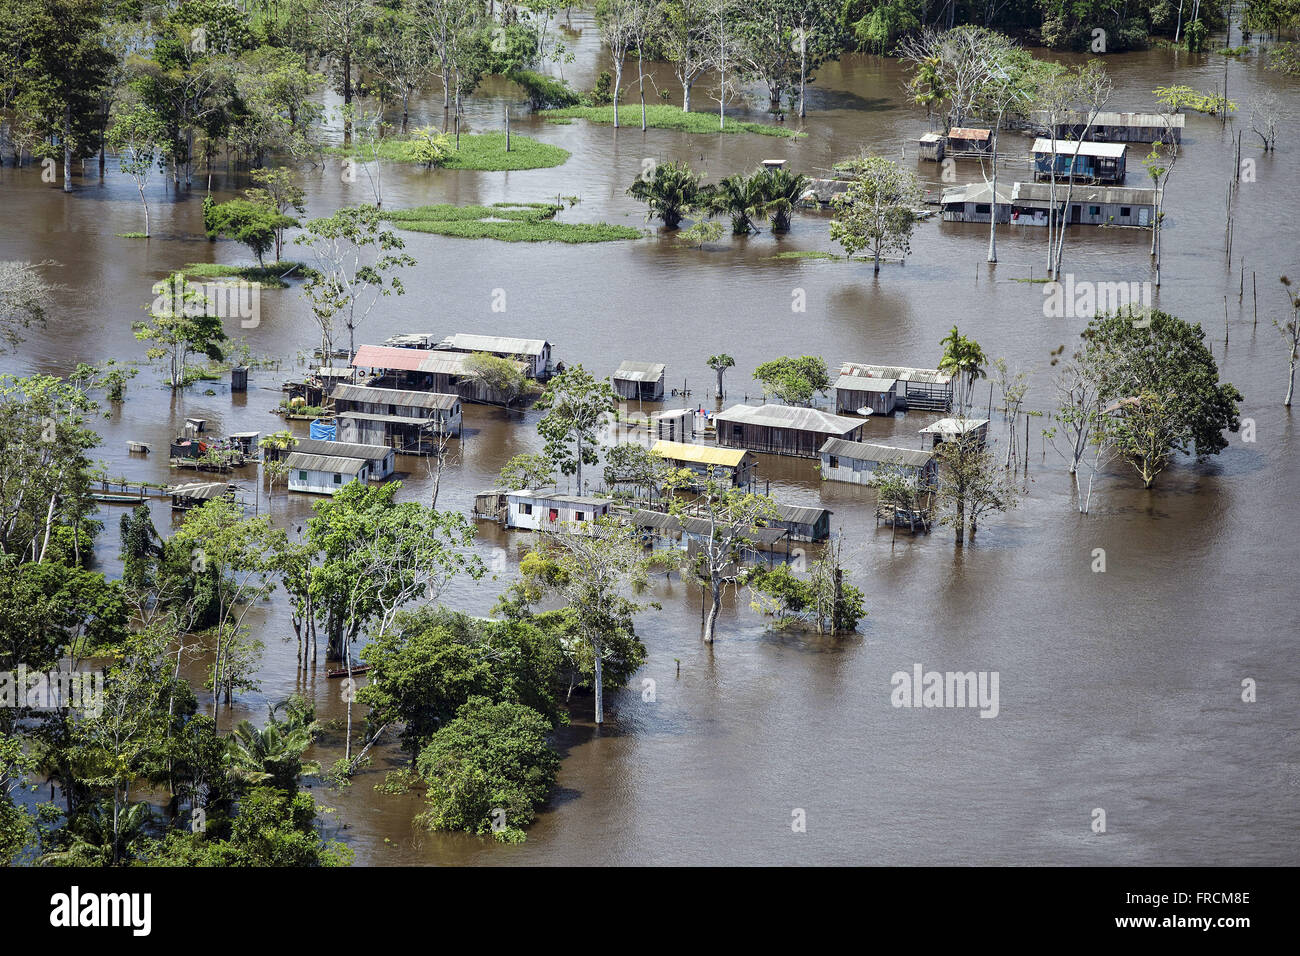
x: 981, y: 207
x: 1126, y: 210
x: 338, y: 479
x: 835, y: 462
x: 302, y: 476
x: 1094, y: 210
x: 580, y: 516
x: 525, y: 509
x: 555, y: 514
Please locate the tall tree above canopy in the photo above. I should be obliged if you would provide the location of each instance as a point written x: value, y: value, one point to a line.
x: 64, y: 71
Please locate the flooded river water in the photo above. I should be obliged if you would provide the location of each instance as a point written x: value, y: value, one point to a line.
x: 1119, y: 690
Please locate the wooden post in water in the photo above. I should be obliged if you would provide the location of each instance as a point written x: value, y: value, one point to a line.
x: 1254, y: 293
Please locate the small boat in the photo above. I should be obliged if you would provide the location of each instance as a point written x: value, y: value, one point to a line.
x: 866, y: 411
x: 115, y: 498
x: 343, y: 671
x: 138, y: 447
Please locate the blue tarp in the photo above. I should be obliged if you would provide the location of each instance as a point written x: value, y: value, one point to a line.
x: 323, y: 431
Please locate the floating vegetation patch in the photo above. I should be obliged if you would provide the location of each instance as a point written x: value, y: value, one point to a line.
x: 272, y: 275
x: 480, y: 151
x: 509, y: 222
x: 660, y: 116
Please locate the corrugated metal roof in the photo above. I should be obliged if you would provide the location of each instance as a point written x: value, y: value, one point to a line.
x: 968, y: 132
x: 865, y: 383
x: 467, y: 342
x: 199, y: 489
x: 975, y: 192
x: 699, y: 454
x: 544, y: 495
x: 395, y: 396
x: 701, y: 527
x: 953, y: 426
x: 928, y: 376
x: 1073, y: 117
x: 375, y: 417
x: 1122, y: 195
x: 316, y: 446
x: 640, y: 371
x: 789, y: 416
x: 800, y: 514
x: 1073, y: 147
x: 868, y: 451
x: 331, y: 464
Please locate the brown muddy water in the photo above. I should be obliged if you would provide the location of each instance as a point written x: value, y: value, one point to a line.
x: 1118, y: 690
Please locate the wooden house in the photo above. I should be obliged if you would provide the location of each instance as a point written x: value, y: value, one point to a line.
x: 914, y: 388
x: 690, y: 533
x: 534, y: 353
x: 246, y: 442
x: 1084, y: 162
x: 425, y: 370
x: 409, y: 421
x: 196, y: 493
x: 866, y: 394
x: 1112, y: 127
x: 855, y: 462
x: 735, y: 465
x: 381, y: 458
x: 802, y: 523
x: 932, y: 147
x: 822, y: 191
x: 973, y: 202
x: 552, y: 511
x: 969, y: 141
x: 947, y: 429
x: 1089, y: 205
x: 675, y: 424
x: 491, y: 504
x: 642, y: 381
x: 782, y: 429
x: 324, y: 474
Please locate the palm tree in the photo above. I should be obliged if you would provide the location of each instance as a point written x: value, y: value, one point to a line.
x: 100, y: 835
x: 964, y: 360
x: 672, y: 193
x: 274, y: 754
x: 742, y: 198
x: 720, y: 363
x: 781, y: 191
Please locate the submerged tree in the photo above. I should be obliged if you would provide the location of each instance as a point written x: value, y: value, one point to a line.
x: 966, y: 362
x: 594, y: 570
x: 25, y: 300
x: 356, y: 261
x: 877, y: 211
x: 671, y: 192
x: 1159, y: 387
x: 577, y: 407
x: 794, y: 381
x: 181, y: 323
x: 972, y: 483
x: 1290, y: 329
x: 720, y: 363
x: 136, y: 137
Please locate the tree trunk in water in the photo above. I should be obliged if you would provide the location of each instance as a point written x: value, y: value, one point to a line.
x: 719, y: 394
x: 711, y: 623
x: 347, y: 98
x: 1290, y: 382
x: 600, y: 683
x: 993, y: 218
x: 640, y: 69
x: 67, y: 149
x: 686, y: 97
x: 618, y: 82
